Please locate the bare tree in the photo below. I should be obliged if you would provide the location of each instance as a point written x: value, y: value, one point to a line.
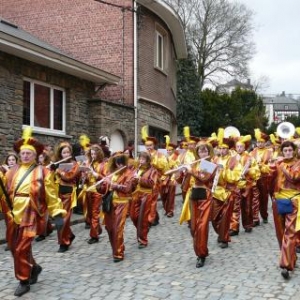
x: 261, y: 83
x: 220, y: 34
x: 185, y: 9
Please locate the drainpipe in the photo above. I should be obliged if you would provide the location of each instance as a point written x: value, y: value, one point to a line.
x: 135, y: 64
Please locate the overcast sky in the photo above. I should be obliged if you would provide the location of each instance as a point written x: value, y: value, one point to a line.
x: 277, y: 38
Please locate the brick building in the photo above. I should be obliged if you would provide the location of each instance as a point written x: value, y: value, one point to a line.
x: 133, y: 45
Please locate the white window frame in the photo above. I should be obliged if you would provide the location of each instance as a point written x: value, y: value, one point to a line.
x: 161, y: 48
x: 51, y: 129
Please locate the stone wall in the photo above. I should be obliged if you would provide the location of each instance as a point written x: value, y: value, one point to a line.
x: 156, y: 116
x: 110, y: 117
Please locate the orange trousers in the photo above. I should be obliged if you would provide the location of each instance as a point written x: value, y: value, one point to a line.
x: 65, y: 234
x: 286, y: 236
x: 19, y: 243
x: 114, y: 225
x: 139, y: 214
x: 221, y: 216
x: 94, y: 201
x: 200, y: 217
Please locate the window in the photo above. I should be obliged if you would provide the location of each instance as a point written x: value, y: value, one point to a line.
x: 44, y: 107
x: 160, y: 50
x: 286, y: 107
x: 159, y: 134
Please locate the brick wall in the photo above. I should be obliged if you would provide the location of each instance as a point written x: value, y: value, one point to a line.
x: 92, y: 32
x: 154, y: 84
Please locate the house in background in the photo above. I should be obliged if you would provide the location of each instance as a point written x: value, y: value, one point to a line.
x: 137, y: 42
x: 230, y: 86
x: 279, y: 107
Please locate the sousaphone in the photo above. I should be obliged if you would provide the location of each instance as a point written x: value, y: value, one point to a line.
x: 285, y: 130
x: 231, y: 131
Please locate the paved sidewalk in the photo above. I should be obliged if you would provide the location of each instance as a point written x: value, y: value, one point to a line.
x: 248, y: 269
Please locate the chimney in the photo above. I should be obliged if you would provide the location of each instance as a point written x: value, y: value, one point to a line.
x: 283, y: 94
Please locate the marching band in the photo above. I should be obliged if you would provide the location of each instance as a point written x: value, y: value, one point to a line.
x: 222, y: 180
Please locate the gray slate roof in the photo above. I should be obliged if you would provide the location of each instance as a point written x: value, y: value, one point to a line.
x: 281, y: 101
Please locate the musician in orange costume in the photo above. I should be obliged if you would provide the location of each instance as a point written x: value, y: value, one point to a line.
x: 145, y: 178
x: 32, y: 192
x: 243, y: 201
x: 198, y: 200
x: 186, y: 157
x: 160, y: 163
x: 168, y: 187
x: 226, y: 189
x: 261, y: 191
x: 296, y: 141
x: 45, y: 223
x: 286, y: 172
x: 92, y: 199
x: 66, y: 180
x: 119, y: 182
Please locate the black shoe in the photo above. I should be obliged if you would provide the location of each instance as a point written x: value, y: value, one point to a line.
x: 72, y: 238
x: 6, y: 248
x: 256, y: 223
x: 155, y: 223
x: 233, y: 232
x: 49, y: 232
x: 200, y: 262
x: 223, y: 245
x: 298, y: 249
x: 92, y: 241
x: 40, y: 238
x: 265, y: 221
x: 22, y: 288
x: 218, y: 240
x: 63, y: 248
x: 248, y: 230
x: 116, y: 259
x: 170, y: 215
x: 35, y: 272
x: 141, y: 246
x: 285, y: 274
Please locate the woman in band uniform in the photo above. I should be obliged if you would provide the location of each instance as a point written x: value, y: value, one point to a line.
x: 119, y: 183
x: 66, y: 180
